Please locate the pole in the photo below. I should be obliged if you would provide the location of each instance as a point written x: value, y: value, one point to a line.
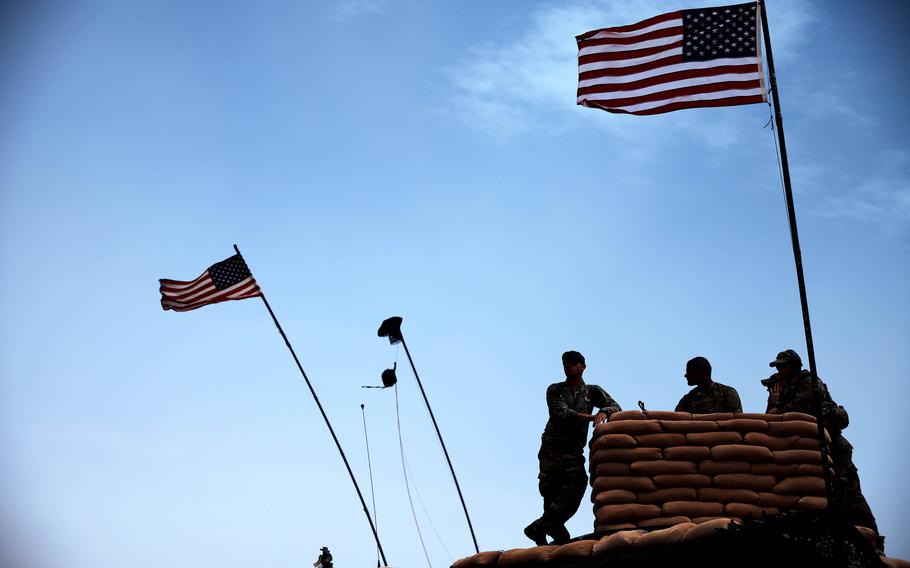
x: 443, y: 444
x: 797, y: 255
x: 327, y: 423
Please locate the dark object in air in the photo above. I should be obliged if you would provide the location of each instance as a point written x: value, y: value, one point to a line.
x: 388, y: 377
x: 391, y: 328
x: 641, y: 405
x: 324, y: 560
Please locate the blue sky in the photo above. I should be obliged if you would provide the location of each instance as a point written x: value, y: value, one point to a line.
x: 424, y: 159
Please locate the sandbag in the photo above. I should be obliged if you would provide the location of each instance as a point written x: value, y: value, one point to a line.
x: 660, y: 522
x: 745, y: 481
x: 811, y: 503
x: 711, y: 467
x: 488, y: 558
x: 683, y: 480
x: 741, y: 452
x: 691, y: 509
x: 797, y: 456
x: 743, y: 424
x: 805, y: 485
x: 520, y: 556
x: 628, y: 415
x: 663, y: 537
x: 780, y: 502
x: 629, y: 427
x: 628, y: 513
x: 773, y: 443
x: 619, y: 539
x: 700, y: 520
x: 793, y: 428
x: 807, y: 444
x: 612, y: 441
x: 714, y: 416
x: 667, y: 415
x: 661, y: 496
x: 687, y: 453
x: 778, y: 470
x: 810, y: 469
x: 797, y: 416
x: 578, y: 550
x: 758, y: 416
x: 749, y: 511
x: 686, y: 426
x: 713, y: 438
x: 613, y: 497
x: 635, y: 484
x: 707, y: 528
x: 627, y: 455
x: 662, y: 440
x: 719, y: 495
x: 613, y: 527
x: 662, y: 467
x: 611, y: 468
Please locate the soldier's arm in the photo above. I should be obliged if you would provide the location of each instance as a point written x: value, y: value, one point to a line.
x: 836, y: 417
x: 557, y: 404
x: 605, y: 403
x: 684, y: 405
x: 733, y: 402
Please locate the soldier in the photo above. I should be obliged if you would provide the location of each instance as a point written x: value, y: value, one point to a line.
x: 791, y: 389
x: 707, y: 396
x: 563, y: 478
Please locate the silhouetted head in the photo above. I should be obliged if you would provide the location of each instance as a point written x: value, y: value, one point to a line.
x: 787, y: 363
x: 573, y: 363
x: 698, y: 371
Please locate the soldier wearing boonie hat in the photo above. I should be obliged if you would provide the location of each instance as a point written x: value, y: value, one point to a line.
x: 792, y: 389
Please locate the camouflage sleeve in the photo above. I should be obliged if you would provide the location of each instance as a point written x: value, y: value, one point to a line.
x: 557, y: 404
x: 835, y: 417
x: 604, y: 401
x: 733, y: 402
x: 684, y: 404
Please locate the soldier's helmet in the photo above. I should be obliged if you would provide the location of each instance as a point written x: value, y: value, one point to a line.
x: 788, y: 357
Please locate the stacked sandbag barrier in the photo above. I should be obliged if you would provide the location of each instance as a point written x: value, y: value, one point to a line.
x: 656, y: 469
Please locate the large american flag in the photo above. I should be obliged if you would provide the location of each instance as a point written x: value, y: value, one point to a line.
x: 229, y: 279
x: 685, y: 59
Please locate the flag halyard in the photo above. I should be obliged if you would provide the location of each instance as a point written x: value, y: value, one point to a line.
x: 685, y: 59
x: 229, y: 279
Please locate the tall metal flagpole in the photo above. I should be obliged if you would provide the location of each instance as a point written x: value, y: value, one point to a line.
x: 327, y: 423
x: 391, y: 328
x: 797, y: 255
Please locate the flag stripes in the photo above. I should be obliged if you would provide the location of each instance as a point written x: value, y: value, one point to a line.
x: 223, y: 281
x: 682, y: 59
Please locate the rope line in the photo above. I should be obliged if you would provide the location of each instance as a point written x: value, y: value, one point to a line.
x: 370, y: 467
x: 407, y: 485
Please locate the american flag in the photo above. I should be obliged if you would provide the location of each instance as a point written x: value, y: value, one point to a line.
x: 690, y: 58
x: 229, y: 279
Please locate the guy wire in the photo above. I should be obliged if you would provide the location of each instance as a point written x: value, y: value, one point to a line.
x: 780, y: 167
x: 370, y: 467
x: 427, y: 514
x: 407, y: 486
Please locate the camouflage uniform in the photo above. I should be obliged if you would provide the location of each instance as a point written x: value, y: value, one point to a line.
x: 798, y: 395
x: 563, y: 478
x: 715, y: 398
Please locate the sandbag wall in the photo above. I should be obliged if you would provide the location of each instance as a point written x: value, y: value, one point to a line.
x: 656, y: 469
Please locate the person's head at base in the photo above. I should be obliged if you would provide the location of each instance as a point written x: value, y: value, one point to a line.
x: 573, y: 363
x: 787, y: 363
x: 698, y: 371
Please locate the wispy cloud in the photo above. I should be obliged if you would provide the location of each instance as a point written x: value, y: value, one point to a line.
x: 526, y: 81
x: 350, y: 9
x: 881, y: 196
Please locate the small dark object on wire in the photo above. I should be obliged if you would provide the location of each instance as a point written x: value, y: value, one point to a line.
x: 388, y: 379
x: 641, y: 405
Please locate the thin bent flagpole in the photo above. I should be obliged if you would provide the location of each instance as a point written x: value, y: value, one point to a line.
x: 797, y: 255
x: 327, y: 423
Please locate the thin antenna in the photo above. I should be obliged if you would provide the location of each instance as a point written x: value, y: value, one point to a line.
x: 370, y: 467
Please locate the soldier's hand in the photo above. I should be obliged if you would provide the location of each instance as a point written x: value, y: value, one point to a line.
x: 600, y: 418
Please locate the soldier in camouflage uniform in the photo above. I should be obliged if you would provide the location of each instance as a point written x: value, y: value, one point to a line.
x: 563, y: 478
x: 707, y: 396
x: 791, y: 389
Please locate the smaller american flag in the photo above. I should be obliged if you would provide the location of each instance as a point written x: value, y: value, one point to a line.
x: 229, y: 279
